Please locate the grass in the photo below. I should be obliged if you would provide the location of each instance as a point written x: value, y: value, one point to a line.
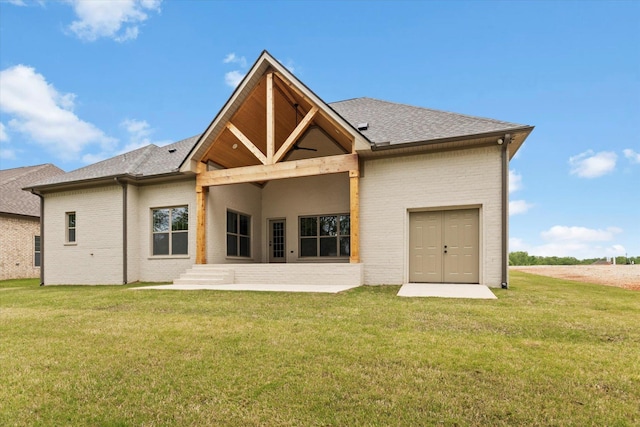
x: 547, y: 352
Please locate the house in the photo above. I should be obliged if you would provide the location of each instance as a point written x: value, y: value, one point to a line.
x: 282, y: 187
x: 20, y: 236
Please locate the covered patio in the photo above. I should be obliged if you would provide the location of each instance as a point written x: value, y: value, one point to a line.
x: 277, y: 187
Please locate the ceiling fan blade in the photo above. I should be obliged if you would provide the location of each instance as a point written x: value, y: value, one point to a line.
x: 295, y: 147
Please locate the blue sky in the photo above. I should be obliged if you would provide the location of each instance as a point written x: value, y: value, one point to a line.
x: 81, y: 80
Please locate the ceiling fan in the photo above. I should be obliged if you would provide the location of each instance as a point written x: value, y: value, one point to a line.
x: 295, y: 146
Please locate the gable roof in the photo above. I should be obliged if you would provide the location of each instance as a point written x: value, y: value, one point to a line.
x: 148, y: 161
x: 14, y: 200
x: 266, y: 63
x: 389, y: 126
x: 389, y: 122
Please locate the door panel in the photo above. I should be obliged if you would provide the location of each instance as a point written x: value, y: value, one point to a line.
x: 460, y: 264
x: 425, y: 263
x: 277, y: 240
x: 444, y: 246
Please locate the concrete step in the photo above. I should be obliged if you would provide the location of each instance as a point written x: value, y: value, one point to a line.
x: 201, y: 281
x: 205, y: 276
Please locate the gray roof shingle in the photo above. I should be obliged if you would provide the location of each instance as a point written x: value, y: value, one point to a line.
x: 147, y: 161
x: 387, y: 122
x: 13, y: 199
x: 401, y: 123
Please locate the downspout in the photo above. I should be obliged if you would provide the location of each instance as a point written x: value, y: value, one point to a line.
x: 505, y: 211
x: 41, y: 235
x: 124, y: 229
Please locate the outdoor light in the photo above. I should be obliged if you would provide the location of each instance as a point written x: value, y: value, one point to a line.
x: 500, y: 141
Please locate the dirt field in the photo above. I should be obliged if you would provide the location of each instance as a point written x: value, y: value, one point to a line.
x: 623, y: 276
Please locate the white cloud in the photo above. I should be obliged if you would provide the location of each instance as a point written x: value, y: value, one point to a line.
x: 290, y: 66
x: 118, y: 20
x: 519, y: 207
x: 14, y: 2
x: 139, y: 135
x: 579, y: 234
x: 632, y: 155
x: 233, y: 78
x: 5, y: 152
x: 515, y: 181
x: 517, y: 244
x: 593, y: 165
x: 578, y: 242
x: 3, y: 133
x: 232, y: 58
x: 45, y: 116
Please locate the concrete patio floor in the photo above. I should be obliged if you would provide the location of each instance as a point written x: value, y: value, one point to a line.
x: 332, y: 289
x: 446, y: 290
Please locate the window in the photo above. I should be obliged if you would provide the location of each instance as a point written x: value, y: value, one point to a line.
x: 325, y: 236
x: 238, y: 234
x: 71, y: 227
x: 170, y: 231
x: 36, y: 251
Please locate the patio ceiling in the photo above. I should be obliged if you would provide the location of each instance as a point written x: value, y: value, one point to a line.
x: 271, y: 123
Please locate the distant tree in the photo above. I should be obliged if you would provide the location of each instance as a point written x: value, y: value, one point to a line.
x: 523, y: 258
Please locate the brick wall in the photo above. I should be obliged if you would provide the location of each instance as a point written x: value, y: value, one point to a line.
x: 160, y: 268
x: 17, y: 247
x: 96, y: 256
x: 392, y: 187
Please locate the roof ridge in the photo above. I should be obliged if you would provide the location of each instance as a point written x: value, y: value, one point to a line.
x: 26, y: 170
x: 142, y: 157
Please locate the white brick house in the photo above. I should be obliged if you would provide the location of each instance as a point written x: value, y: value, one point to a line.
x: 282, y: 187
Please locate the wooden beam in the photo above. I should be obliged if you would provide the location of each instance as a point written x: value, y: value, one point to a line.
x: 247, y: 143
x: 271, y: 120
x: 282, y: 170
x: 354, y: 211
x: 201, y: 221
x: 322, y: 112
x: 293, y: 137
x: 283, y: 90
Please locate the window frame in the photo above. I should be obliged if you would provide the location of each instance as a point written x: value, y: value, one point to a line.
x: 318, y: 236
x: 237, y: 234
x: 169, y: 232
x: 71, y: 228
x: 37, y: 251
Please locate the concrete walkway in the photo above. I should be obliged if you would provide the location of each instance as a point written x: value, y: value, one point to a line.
x: 446, y: 290
x: 332, y: 289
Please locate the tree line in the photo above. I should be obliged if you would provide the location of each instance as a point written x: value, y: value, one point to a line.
x: 523, y: 258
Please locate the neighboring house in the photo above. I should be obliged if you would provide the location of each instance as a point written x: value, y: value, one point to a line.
x: 284, y: 188
x: 20, y: 238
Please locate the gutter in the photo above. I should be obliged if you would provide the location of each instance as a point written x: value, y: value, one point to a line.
x: 81, y: 183
x: 124, y: 229
x: 505, y: 210
x: 380, y: 146
x: 34, y: 192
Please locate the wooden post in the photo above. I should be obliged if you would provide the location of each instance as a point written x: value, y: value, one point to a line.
x: 271, y: 120
x: 201, y: 223
x: 354, y: 206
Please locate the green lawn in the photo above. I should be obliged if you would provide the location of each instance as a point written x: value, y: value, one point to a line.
x: 547, y: 352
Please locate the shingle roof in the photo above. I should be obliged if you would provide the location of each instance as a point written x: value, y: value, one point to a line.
x: 13, y: 199
x: 147, y: 161
x: 401, y: 123
x: 387, y: 122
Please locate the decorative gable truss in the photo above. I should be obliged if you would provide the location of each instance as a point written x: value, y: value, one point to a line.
x: 258, y: 137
